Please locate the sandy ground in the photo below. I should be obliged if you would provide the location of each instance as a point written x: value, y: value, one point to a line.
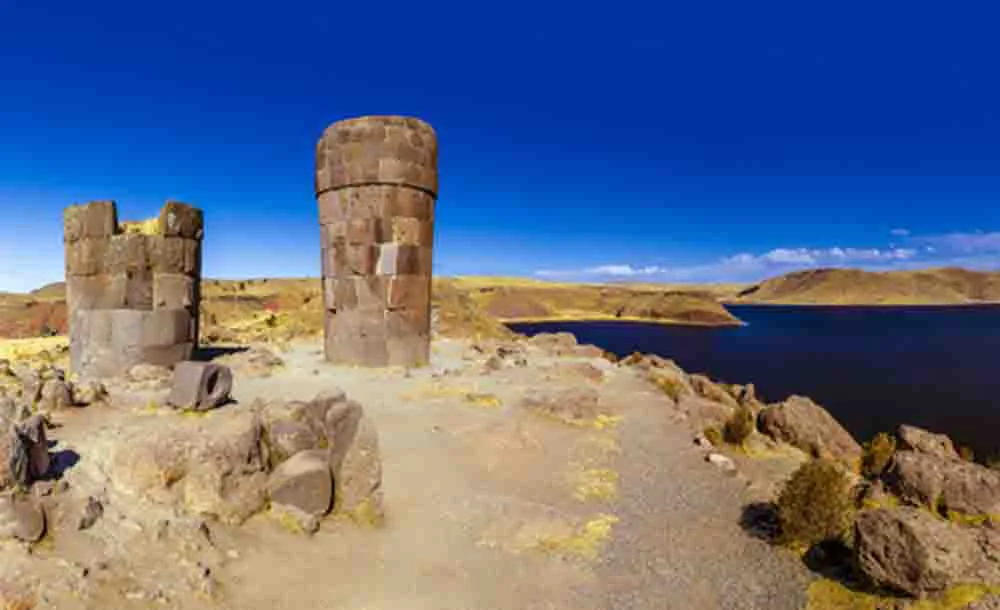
x: 488, y: 506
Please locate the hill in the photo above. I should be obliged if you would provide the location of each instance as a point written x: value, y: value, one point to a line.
x: 944, y: 286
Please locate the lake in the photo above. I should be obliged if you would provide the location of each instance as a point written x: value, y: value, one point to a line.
x: 873, y: 368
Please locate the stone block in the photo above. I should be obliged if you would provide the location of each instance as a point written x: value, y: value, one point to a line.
x: 86, y: 256
x: 303, y: 481
x: 410, y: 351
x: 409, y: 203
x: 397, y: 259
x: 181, y: 220
x: 165, y: 327
x: 86, y: 292
x: 332, y: 207
x: 127, y: 252
x: 94, y: 220
x: 366, y: 231
x: 173, y: 291
x: 329, y: 292
x: 407, y: 291
x: 176, y: 255
x: 130, y: 290
x: 408, y: 322
x: 410, y: 231
x: 200, y: 386
x: 357, y: 259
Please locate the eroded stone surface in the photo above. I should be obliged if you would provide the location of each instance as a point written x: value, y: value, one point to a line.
x: 800, y: 422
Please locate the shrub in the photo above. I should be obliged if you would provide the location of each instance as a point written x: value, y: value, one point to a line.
x: 877, y: 453
x: 816, y: 505
x: 713, y: 435
x: 739, y: 426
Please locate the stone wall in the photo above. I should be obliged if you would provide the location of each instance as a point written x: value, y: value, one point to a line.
x: 132, y: 289
x: 376, y: 184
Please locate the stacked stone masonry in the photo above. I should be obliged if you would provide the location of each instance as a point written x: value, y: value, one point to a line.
x: 132, y: 289
x: 376, y: 184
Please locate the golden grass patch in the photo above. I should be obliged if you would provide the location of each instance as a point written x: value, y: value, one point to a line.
x: 586, y: 542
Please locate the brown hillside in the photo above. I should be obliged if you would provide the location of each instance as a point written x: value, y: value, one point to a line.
x: 945, y: 286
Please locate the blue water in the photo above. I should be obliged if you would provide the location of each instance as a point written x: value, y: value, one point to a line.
x: 872, y: 367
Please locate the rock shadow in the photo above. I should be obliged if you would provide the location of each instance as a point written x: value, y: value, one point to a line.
x: 61, y: 461
x: 211, y: 352
x: 760, y: 520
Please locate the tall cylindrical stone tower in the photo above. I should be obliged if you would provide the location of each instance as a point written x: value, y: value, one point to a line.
x: 376, y: 183
x: 132, y: 290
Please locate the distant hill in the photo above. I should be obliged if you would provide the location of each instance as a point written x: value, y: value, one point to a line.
x: 944, y: 286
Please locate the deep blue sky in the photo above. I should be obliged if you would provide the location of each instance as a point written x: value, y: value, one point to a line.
x: 662, y: 141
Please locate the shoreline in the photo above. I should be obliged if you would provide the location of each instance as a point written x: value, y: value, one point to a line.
x: 870, y: 305
x: 627, y: 319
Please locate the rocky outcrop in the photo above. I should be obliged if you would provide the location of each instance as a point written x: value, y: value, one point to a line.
x: 576, y: 404
x: 21, y: 518
x: 947, y: 484
x: 304, y: 482
x: 802, y: 423
x: 706, y: 388
x: 24, y: 454
x: 918, y: 439
x: 911, y: 551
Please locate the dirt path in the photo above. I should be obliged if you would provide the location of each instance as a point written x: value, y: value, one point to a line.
x: 488, y: 506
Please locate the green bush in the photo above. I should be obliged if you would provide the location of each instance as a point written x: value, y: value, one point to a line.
x: 816, y: 505
x: 877, y: 453
x: 739, y: 426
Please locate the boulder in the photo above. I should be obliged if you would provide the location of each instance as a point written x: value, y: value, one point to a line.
x: 911, y: 551
x: 85, y: 393
x: 54, y: 396
x: 572, y: 370
x: 358, y: 479
x: 574, y: 404
x: 32, y: 434
x: 802, y: 423
x: 721, y: 462
x: 556, y: 344
x: 21, y: 518
x: 200, y: 386
x: 944, y: 483
x: 304, y: 482
x: 918, y: 439
x: 588, y: 351
x: 15, y: 459
x: 287, y: 437
x: 214, y: 465
x: 13, y: 411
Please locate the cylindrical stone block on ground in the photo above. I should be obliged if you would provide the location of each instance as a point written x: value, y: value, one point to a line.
x: 376, y: 182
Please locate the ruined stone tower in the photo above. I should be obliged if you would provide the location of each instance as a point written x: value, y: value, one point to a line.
x: 376, y: 183
x: 132, y: 290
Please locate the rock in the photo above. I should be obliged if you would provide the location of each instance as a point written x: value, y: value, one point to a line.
x: 802, y: 423
x: 304, y: 482
x: 13, y: 411
x: 15, y: 459
x: 91, y: 513
x: 720, y: 461
x: 86, y: 393
x: 5, y: 368
x: 31, y: 387
x: 706, y: 388
x: 21, y: 518
x: 574, y: 404
x: 149, y: 376
x: 214, y: 466
x: 55, y: 396
x: 911, y: 551
x: 701, y: 441
x: 944, y: 483
x: 32, y: 433
x: 358, y: 480
x: 287, y: 437
x: 294, y: 519
x: 707, y: 413
x: 340, y: 424
x: 493, y: 363
x: 556, y: 344
x: 254, y: 362
x: 990, y: 602
x: 918, y: 439
x: 588, y: 351
x: 573, y: 370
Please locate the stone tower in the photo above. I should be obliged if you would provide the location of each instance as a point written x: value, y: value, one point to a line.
x: 376, y: 183
x: 132, y: 290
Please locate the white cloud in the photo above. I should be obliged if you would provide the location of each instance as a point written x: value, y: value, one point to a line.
x: 966, y: 243
x: 900, y: 232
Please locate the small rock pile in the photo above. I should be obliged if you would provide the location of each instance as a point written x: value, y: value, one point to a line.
x: 28, y: 398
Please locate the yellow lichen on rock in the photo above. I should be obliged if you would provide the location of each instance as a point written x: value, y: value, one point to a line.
x: 826, y: 594
x: 596, y: 484
x: 586, y: 542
